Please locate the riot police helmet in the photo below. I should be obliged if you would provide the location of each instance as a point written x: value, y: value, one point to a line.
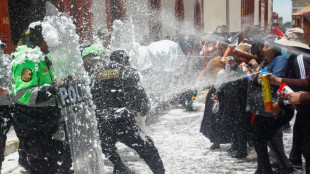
x: 35, y: 33
x: 119, y: 56
x: 35, y: 37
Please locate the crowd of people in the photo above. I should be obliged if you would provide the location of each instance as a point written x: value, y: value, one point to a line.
x: 240, y: 118
x: 234, y: 107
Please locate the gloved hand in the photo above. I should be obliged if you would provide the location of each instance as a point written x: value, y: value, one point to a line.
x: 45, y: 93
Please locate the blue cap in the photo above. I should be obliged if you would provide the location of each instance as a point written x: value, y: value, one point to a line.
x: 229, y: 57
x: 264, y: 71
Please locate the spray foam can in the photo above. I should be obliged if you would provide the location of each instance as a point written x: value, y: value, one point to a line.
x: 227, y: 52
x: 266, y: 91
x: 284, y: 90
x: 228, y: 65
x: 246, y: 70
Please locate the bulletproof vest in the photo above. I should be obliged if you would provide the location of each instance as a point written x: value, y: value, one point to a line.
x: 109, y: 87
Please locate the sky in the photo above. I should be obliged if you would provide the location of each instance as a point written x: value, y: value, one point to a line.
x: 284, y: 9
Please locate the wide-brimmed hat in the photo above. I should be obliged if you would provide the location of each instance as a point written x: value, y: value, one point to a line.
x: 294, y: 38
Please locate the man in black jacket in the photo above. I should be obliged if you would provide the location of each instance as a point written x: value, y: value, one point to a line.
x: 119, y: 96
x: 298, y: 68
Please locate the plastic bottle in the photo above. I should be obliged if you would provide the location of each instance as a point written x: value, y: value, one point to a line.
x: 216, y: 106
x: 266, y: 91
x: 284, y: 90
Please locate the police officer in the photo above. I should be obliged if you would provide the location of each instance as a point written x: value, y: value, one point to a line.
x: 36, y: 115
x: 93, y: 56
x: 105, y: 38
x: 5, y: 99
x: 119, y: 96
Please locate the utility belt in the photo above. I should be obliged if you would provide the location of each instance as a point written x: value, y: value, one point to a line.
x: 51, y: 102
x: 33, y: 99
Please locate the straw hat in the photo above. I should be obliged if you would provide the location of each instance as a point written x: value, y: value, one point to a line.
x: 294, y: 38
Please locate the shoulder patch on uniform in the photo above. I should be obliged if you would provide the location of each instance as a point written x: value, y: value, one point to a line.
x: 44, y: 69
x: 109, y: 74
x: 26, y: 75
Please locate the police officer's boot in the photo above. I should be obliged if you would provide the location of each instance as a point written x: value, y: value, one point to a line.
x: 122, y: 169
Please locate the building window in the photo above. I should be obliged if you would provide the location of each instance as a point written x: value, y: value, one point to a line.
x: 155, y: 22
x: 266, y: 14
x: 197, y: 16
x: 116, y: 9
x: 202, y: 12
x: 64, y: 6
x: 247, y: 12
x: 298, y: 23
x: 179, y: 14
x: 260, y: 13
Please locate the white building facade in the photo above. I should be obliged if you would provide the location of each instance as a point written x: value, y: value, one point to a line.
x: 237, y: 13
x: 157, y: 19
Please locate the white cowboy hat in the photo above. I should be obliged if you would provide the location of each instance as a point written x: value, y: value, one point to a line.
x: 294, y: 38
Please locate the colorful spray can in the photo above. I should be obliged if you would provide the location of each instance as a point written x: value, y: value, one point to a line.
x: 246, y: 70
x: 284, y: 90
x: 228, y: 50
x: 228, y: 64
x: 266, y: 91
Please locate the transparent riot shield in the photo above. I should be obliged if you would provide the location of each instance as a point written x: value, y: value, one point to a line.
x: 74, y: 96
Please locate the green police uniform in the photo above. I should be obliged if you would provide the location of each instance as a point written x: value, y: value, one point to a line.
x: 31, y: 70
x: 36, y: 115
x: 33, y: 93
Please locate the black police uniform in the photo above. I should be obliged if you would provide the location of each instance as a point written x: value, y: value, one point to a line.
x: 118, y: 96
